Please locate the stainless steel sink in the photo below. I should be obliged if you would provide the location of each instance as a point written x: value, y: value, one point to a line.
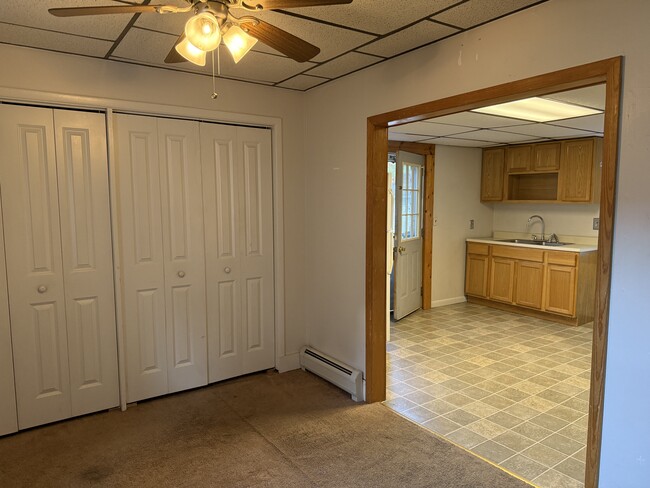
x: 534, y: 242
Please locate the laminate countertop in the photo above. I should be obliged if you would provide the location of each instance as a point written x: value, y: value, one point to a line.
x: 567, y: 248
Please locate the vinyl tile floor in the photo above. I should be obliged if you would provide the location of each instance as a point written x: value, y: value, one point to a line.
x: 510, y: 388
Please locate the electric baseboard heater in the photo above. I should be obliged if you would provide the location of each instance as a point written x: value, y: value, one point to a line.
x: 337, y: 373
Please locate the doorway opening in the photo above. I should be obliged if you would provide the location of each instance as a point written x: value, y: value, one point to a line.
x: 607, y: 71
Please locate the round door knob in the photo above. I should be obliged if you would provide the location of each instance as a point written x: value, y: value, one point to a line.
x: 226, y: 269
x: 181, y: 274
x: 42, y: 289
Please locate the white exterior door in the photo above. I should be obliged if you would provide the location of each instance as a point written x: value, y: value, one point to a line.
x: 8, y: 415
x: 159, y: 186
x: 238, y: 206
x: 84, y: 202
x: 408, y: 239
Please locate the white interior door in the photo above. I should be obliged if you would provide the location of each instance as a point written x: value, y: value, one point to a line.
x: 238, y: 206
x: 8, y: 415
x: 183, y: 246
x: 143, y: 272
x: 84, y: 202
x: 408, y: 239
x: 28, y: 179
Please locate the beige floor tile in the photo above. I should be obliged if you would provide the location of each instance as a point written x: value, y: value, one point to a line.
x: 555, y: 479
x: 514, y: 441
x: 493, y: 451
x: 487, y: 428
x: 465, y: 438
x: 441, y: 425
x: 544, y: 455
x: 524, y: 467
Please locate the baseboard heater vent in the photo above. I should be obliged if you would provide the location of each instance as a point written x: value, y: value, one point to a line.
x: 342, y: 375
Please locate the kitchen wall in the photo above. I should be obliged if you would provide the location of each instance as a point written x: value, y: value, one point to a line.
x: 550, y: 36
x: 572, y: 222
x: 457, y: 187
x: 78, y: 77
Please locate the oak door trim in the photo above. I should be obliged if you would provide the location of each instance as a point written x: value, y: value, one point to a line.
x: 607, y: 71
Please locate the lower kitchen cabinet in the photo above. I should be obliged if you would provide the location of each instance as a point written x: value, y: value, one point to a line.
x: 476, y: 270
x: 502, y: 279
x: 530, y: 284
x: 560, y: 289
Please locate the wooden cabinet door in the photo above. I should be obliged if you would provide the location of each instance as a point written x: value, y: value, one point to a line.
x: 502, y: 279
x: 476, y: 275
x: 546, y: 157
x: 518, y: 158
x: 492, y: 175
x: 530, y: 284
x: 576, y: 169
x: 560, y: 289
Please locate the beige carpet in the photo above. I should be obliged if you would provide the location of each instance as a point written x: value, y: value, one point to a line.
x: 265, y: 430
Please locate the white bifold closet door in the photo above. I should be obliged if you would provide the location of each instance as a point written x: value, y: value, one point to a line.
x: 238, y: 208
x: 54, y: 184
x: 8, y: 418
x: 162, y: 254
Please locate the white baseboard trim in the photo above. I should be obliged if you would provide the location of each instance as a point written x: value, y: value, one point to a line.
x: 448, y: 301
x: 287, y: 363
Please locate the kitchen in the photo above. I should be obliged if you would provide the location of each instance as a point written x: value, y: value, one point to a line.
x: 471, y: 222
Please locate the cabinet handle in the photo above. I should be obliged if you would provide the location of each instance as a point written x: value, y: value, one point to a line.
x: 181, y: 274
x: 227, y: 269
x: 41, y: 289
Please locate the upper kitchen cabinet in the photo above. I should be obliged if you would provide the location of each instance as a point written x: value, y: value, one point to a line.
x: 556, y: 172
x: 492, y: 175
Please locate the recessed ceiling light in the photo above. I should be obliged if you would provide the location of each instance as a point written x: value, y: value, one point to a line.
x: 537, y: 109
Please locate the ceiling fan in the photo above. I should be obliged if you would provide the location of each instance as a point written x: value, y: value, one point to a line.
x: 212, y: 22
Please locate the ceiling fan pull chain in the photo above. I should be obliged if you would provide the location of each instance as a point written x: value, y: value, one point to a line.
x: 214, y: 81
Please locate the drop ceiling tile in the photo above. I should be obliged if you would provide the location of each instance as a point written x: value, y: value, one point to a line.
x: 302, y: 82
x: 401, y: 137
x: 478, y: 120
x: 550, y: 131
x: 35, y: 13
x: 595, y: 123
x: 332, y: 41
x: 343, y: 65
x: 591, y: 96
x: 53, y: 41
x: 415, y: 36
x: 476, y: 12
x: 495, y: 136
x: 376, y: 16
x: 450, y: 141
x: 152, y: 48
x: 430, y: 129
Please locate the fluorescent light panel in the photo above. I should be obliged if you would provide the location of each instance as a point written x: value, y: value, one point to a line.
x: 537, y: 109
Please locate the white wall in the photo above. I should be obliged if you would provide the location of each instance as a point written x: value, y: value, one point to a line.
x: 456, y: 200
x: 551, y: 36
x: 29, y: 69
x: 565, y: 220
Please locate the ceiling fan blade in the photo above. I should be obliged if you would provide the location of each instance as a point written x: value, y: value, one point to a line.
x: 174, y: 56
x: 126, y: 9
x: 280, y: 40
x: 275, y: 4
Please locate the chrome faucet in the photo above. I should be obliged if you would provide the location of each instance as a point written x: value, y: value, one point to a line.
x: 541, y: 220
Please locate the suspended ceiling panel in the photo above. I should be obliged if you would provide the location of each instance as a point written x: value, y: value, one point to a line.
x: 351, y: 37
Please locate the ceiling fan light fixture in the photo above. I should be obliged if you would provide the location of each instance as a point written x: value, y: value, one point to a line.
x: 203, y: 31
x: 238, y: 42
x: 190, y: 52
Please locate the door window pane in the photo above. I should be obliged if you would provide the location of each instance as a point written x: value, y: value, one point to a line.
x: 411, y: 195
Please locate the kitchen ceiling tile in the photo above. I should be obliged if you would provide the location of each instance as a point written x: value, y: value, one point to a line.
x: 401, y: 137
x: 35, y: 13
x: 430, y: 129
x: 478, y: 120
x: 332, y: 41
x: 343, y: 65
x: 376, y: 16
x: 495, y: 136
x: 476, y: 12
x: 302, y: 82
x: 54, y: 41
x: 450, y: 141
x: 595, y: 123
x: 591, y: 96
x: 550, y: 131
x: 415, y: 36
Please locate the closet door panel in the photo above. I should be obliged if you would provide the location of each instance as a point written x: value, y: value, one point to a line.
x: 87, y: 259
x: 221, y: 180
x: 183, y: 244
x: 257, y: 249
x: 143, y: 288
x: 34, y: 267
x: 8, y: 414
